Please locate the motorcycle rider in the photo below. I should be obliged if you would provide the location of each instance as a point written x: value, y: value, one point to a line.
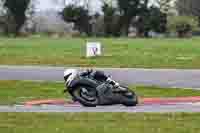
x: 97, y: 75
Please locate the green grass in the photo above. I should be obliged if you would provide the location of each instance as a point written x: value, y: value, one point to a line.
x: 15, y: 92
x: 12, y: 92
x: 99, y: 123
x: 20, y: 91
x: 122, y: 52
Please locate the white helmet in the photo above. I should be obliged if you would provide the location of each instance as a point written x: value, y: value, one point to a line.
x: 69, y: 74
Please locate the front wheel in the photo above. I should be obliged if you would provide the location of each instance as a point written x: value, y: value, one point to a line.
x: 129, y: 98
x: 85, y: 95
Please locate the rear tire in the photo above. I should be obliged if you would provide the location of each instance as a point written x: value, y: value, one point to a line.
x: 77, y: 94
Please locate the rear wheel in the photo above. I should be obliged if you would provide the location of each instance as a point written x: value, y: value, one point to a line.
x: 85, y: 95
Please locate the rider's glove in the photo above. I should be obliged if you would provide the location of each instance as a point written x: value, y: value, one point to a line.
x: 116, y: 85
x: 112, y: 82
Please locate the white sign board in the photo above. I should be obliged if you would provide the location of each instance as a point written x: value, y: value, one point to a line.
x: 93, y: 49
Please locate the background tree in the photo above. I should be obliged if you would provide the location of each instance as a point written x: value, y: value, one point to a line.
x: 189, y: 7
x: 128, y: 10
x: 148, y: 17
x: 157, y: 20
x: 183, y: 26
x: 111, y: 3
x: 7, y: 24
x: 17, y: 9
x: 29, y: 24
x: 79, y: 16
x: 2, y: 9
x: 165, y: 6
x: 151, y: 20
x: 111, y: 20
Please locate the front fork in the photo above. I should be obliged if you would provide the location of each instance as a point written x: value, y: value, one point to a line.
x: 66, y: 88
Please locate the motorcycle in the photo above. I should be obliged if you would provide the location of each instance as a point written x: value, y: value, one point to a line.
x: 91, y: 92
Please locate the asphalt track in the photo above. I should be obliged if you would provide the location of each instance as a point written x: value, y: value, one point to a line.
x: 171, y: 78
x: 142, y: 108
x: 164, y: 78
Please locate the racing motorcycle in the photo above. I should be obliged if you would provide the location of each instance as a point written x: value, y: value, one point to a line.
x: 95, y: 89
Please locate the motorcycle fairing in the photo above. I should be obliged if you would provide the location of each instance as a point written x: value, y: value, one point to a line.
x: 83, y: 82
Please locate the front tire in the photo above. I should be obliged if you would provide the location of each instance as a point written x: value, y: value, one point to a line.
x: 88, y: 100
x: 131, y: 102
x: 130, y: 98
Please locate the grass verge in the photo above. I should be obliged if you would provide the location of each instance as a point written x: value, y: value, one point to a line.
x: 99, y: 123
x: 122, y: 52
x: 13, y: 92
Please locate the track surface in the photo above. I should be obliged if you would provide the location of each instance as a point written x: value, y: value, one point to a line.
x: 163, y: 78
x: 159, y: 77
x: 142, y: 108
